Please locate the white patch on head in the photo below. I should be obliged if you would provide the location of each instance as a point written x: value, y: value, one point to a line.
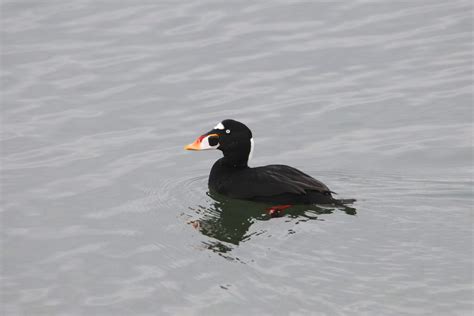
x: 252, y: 146
x: 219, y: 126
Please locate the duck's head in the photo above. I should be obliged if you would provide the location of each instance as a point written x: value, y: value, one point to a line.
x: 233, y: 138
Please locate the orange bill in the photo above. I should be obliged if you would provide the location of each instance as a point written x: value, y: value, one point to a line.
x: 198, y: 143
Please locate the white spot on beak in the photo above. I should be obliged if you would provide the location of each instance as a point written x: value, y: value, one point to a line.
x: 205, y: 144
x: 219, y: 126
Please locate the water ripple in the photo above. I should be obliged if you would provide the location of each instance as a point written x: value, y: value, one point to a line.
x: 103, y: 212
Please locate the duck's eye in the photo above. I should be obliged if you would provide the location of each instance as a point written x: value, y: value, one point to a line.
x: 227, y: 131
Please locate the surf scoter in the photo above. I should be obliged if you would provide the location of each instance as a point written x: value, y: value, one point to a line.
x: 279, y: 184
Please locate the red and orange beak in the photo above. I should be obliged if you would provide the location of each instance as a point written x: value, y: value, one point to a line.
x: 202, y: 143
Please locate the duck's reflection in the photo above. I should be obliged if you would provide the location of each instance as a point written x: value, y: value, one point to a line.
x: 228, y: 220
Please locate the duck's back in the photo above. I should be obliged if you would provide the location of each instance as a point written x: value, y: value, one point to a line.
x: 279, y: 184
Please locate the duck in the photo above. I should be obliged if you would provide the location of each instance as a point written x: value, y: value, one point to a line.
x: 279, y: 185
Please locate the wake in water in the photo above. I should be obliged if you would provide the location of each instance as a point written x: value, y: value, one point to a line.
x: 228, y: 221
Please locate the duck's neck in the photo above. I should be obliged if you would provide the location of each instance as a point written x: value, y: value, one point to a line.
x: 235, y: 160
x: 238, y: 156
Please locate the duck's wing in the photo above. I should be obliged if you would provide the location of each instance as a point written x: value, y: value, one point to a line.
x: 274, y: 180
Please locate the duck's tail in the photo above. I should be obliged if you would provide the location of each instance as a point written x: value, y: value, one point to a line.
x: 344, y: 201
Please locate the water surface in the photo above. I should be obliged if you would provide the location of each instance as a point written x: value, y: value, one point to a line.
x: 100, y: 201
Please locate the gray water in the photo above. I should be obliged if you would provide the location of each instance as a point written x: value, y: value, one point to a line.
x: 104, y: 213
